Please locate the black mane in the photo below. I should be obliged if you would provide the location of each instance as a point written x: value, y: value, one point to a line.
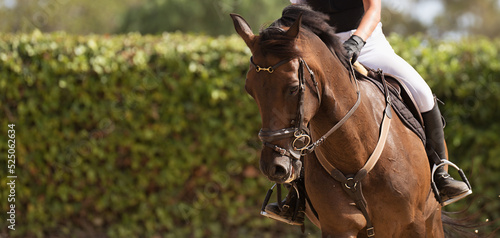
x: 274, y: 41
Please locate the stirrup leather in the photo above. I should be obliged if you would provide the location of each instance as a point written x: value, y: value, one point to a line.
x: 435, y: 189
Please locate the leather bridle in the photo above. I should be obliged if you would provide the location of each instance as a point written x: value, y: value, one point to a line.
x: 301, y: 142
x: 300, y: 132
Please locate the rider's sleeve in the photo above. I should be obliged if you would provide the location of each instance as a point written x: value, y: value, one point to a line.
x: 298, y: 1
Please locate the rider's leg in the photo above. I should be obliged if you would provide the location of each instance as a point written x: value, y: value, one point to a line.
x: 450, y: 190
x: 378, y: 53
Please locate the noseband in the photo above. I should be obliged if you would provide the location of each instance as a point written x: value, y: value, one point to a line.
x: 301, y: 142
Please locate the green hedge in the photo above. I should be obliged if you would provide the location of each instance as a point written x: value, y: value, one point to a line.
x: 154, y: 136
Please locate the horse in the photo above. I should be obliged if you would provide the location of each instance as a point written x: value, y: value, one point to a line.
x: 313, y: 107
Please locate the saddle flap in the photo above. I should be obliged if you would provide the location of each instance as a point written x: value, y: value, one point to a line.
x: 403, y: 102
x: 406, y: 96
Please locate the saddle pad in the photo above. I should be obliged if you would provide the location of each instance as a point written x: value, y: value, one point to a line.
x: 401, y: 100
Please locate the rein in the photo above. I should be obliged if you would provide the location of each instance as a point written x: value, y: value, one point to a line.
x: 351, y: 183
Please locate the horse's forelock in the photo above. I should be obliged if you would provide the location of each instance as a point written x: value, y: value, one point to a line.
x: 274, y: 41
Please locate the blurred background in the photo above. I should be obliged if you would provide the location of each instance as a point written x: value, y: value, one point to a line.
x: 131, y: 118
x: 438, y: 18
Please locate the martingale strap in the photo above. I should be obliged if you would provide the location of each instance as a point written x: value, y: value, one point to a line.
x: 352, y: 184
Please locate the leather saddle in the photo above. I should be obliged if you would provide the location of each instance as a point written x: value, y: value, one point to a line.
x: 402, y: 100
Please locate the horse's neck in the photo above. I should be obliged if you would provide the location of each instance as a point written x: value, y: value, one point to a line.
x: 349, y: 147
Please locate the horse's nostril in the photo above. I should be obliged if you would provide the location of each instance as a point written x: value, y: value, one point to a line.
x: 279, y: 171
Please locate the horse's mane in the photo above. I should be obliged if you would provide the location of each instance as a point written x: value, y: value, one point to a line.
x: 274, y: 41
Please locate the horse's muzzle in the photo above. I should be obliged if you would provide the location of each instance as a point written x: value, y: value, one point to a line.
x: 279, y: 168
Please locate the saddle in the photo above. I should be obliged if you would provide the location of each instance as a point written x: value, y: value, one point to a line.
x: 401, y: 98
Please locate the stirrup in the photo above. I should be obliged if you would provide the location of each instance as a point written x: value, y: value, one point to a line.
x: 435, y: 189
x: 276, y: 217
x: 281, y: 219
x: 266, y: 200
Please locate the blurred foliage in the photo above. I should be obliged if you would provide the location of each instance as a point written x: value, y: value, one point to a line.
x: 395, y: 21
x: 154, y: 136
x: 456, y: 17
x: 72, y: 16
x: 208, y: 16
x: 469, y: 18
x: 113, y: 16
x: 211, y: 16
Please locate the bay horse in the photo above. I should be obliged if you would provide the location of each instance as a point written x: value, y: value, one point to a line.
x: 304, y: 87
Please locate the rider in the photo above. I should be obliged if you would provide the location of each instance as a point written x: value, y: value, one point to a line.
x: 359, y: 27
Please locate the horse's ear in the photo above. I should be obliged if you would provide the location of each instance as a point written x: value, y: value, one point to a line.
x: 294, y: 29
x: 243, y: 29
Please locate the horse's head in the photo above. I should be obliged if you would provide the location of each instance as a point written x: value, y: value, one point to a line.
x: 277, y: 80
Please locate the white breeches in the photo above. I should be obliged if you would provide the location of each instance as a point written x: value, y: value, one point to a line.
x: 378, y: 54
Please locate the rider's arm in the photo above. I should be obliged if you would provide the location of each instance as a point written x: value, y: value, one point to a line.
x: 370, y: 19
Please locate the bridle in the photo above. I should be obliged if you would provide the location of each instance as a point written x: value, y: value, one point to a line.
x: 300, y: 133
x: 301, y: 142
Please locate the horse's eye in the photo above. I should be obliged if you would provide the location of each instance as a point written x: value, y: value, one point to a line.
x: 294, y: 90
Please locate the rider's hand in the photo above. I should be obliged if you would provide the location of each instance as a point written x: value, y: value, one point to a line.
x: 353, y: 47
